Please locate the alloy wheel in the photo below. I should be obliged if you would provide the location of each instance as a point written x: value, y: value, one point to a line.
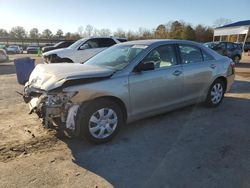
x: 103, y: 123
x: 216, y: 93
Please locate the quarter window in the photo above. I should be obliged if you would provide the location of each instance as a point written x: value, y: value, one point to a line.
x: 190, y: 54
x: 207, y: 56
x: 163, y: 56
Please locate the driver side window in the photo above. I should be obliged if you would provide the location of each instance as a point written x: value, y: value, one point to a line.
x: 162, y: 56
x: 92, y: 43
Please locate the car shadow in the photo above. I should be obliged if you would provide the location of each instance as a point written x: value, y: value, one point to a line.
x: 240, y: 86
x: 243, y: 65
x: 158, y: 151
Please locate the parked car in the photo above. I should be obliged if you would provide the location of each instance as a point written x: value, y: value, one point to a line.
x: 63, y: 44
x: 127, y: 82
x: 3, y: 46
x: 80, y: 51
x: 3, y: 55
x: 122, y: 39
x: 229, y: 49
x: 247, y: 47
x: 210, y: 44
x: 32, y: 49
x: 14, y: 49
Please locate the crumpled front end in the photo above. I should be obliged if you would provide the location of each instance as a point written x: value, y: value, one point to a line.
x: 51, y: 106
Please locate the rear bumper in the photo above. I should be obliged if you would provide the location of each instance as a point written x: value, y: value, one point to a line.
x: 230, y: 81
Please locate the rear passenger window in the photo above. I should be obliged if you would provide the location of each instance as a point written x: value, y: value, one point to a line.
x: 106, y: 42
x: 207, y: 56
x: 190, y: 54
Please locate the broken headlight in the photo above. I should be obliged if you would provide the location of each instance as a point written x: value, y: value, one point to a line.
x: 59, y: 98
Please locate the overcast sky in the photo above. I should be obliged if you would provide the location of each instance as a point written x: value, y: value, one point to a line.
x: 113, y: 14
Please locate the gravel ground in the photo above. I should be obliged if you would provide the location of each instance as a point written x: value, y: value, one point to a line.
x: 190, y: 147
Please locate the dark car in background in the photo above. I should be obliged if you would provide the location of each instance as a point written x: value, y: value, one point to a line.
x: 122, y: 39
x: 229, y: 49
x: 63, y: 44
x: 247, y: 47
x: 32, y: 49
x: 210, y: 44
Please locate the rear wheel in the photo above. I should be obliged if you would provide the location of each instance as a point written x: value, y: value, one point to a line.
x: 216, y: 93
x: 99, y: 121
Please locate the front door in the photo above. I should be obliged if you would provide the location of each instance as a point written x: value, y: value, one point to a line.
x: 154, y: 90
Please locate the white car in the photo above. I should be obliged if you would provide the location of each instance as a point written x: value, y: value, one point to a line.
x: 14, y: 49
x: 3, y: 55
x: 80, y: 51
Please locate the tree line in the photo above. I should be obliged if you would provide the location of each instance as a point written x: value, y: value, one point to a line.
x: 171, y: 30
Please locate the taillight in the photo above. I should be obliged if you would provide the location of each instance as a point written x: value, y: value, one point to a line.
x: 232, y: 65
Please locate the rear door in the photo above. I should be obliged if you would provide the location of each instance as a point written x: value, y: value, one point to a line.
x: 154, y: 90
x: 198, y: 67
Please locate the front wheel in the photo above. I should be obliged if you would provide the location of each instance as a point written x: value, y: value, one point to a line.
x: 99, y: 121
x: 216, y: 93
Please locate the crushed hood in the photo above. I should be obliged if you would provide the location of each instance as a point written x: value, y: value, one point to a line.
x: 51, y: 76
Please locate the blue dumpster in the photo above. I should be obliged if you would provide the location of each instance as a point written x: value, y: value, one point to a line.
x: 24, y: 66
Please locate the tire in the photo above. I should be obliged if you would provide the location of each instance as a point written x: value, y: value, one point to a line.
x: 95, y: 127
x: 215, y: 94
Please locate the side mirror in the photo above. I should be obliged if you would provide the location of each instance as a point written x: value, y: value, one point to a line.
x: 145, y: 66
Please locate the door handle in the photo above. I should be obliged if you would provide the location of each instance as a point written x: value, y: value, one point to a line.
x: 177, y: 72
x: 212, y: 66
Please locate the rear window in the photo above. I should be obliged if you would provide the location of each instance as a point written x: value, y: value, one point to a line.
x: 207, y: 56
x: 190, y: 54
x: 106, y: 42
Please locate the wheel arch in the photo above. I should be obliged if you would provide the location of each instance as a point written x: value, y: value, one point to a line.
x: 223, y: 79
x: 117, y: 100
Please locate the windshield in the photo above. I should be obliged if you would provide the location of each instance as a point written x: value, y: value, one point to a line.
x: 57, y: 44
x: 77, y: 43
x: 116, y: 57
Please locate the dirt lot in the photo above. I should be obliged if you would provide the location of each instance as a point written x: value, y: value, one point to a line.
x: 190, y: 147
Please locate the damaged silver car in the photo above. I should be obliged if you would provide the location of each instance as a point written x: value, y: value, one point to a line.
x: 127, y: 82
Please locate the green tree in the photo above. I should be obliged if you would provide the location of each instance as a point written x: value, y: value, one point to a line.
x: 59, y: 33
x: 161, y: 32
x: 3, y: 33
x: 176, y: 30
x: 18, y: 32
x: 34, y: 33
x: 188, y: 33
x: 47, y: 34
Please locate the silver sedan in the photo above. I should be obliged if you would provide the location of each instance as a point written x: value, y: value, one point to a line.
x: 127, y: 82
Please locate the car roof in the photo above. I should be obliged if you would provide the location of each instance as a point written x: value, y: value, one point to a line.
x: 157, y: 41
